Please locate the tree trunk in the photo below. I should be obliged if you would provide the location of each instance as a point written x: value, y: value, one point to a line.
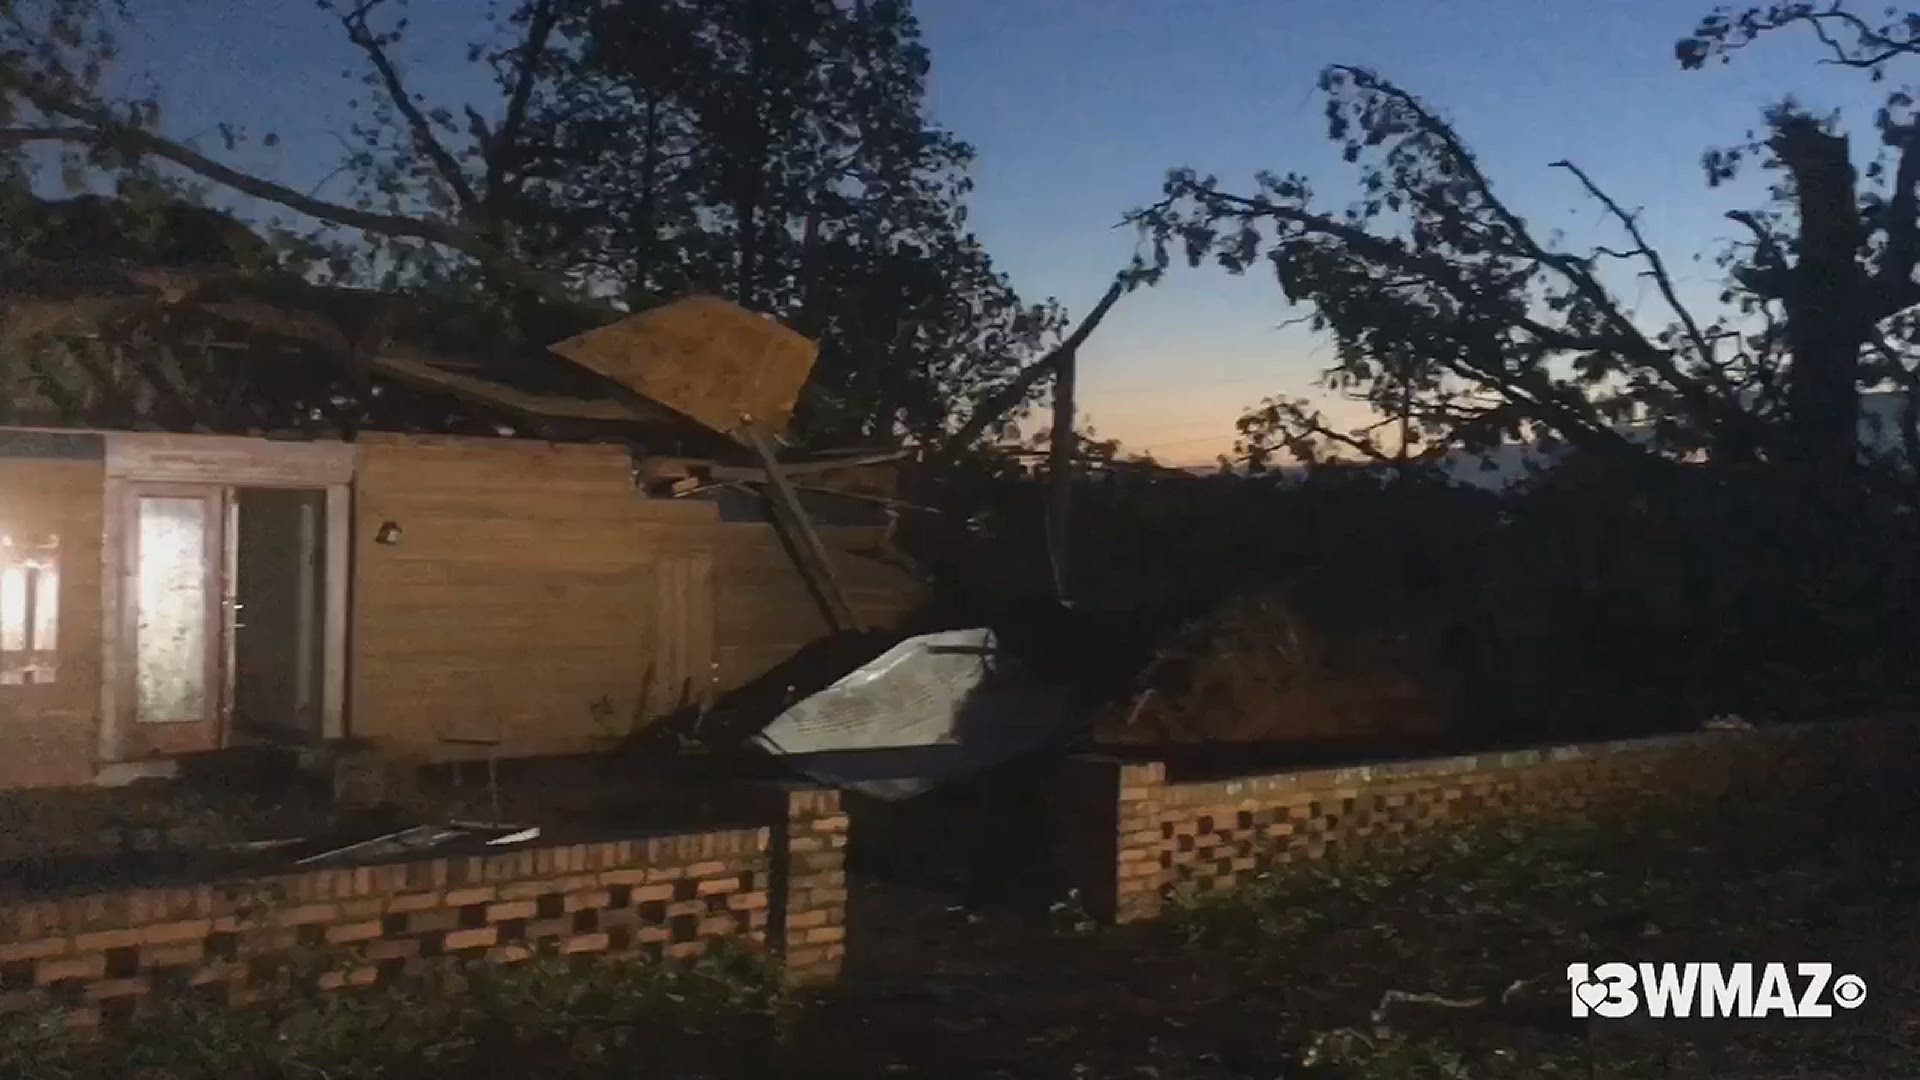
x: 1829, y: 319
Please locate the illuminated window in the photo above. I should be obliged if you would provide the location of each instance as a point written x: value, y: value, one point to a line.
x: 29, y: 608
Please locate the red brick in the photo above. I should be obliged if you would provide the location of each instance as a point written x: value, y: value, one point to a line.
x: 748, y: 901
x: 349, y: 932
x: 585, y: 943
x: 306, y: 914
x: 230, y: 971
x: 686, y: 950
x: 650, y: 893
x: 427, y: 922
x: 530, y: 890
x: 392, y: 949
x: 824, y: 935
x: 83, y: 966
x: 367, y: 908
x: 483, y: 894
x: 359, y: 976
x: 800, y: 920
x: 116, y: 988
x: 511, y: 953
x: 541, y: 928
x: 706, y: 869
x: 717, y: 885
x: 512, y: 909
x: 410, y: 902
x: 173, y: 955
x: 717, y: 926
x: 813, y: 955
x: 175, y: 933
x: 471, y: 939
x: 584, y: 901
x: 100, y: 940
x: 32, y: 950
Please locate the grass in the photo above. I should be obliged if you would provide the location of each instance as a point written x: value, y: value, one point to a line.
x: 1500, y: 912
x: 722, y: 1016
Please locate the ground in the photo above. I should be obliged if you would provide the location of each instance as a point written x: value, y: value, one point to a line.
x: 1287, y: 978
x: 1281, y: 980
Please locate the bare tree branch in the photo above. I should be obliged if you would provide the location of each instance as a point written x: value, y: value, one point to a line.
x: 500, y: 147
x: 101, y: 126
x: 1646, y: 250
x: 20, y: 135
x: 1009, y: 397
x: 418, y: 126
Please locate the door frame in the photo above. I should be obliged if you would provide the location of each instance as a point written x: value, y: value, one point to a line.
x: 227, y: 462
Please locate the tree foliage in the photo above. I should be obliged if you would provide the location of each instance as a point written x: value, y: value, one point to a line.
x: 1461, y: 324
x: 774, y: 152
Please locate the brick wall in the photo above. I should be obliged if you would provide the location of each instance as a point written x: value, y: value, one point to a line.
x: 665, y: 897
x: 809, y: 884
x: 1126, y: 837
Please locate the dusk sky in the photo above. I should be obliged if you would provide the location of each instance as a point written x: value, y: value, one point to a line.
x: 1078, y: 107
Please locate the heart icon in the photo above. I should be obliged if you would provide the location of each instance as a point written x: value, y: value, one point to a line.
x: 1592, y: 994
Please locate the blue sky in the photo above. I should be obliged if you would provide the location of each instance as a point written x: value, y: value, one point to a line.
x: 1078, y: 107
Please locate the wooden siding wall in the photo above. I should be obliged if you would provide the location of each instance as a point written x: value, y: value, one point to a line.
x: 766, y: 611
x: 534, y: 597
x: 51, y: 731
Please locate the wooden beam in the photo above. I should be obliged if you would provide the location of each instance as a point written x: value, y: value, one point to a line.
x: 1060, y: 478
x: 489, y: 392
x: 805, y: 468
x: 809, y: 552
x: 672, y: 468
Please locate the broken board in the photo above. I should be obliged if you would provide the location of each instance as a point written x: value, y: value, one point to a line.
x: 705, y: 358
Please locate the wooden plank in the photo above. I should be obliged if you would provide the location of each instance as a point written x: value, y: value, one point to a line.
x: 224, y: 459
x: 339, y: 562
x: 808, y: 550
x: 489, y: 392
x: 705, y: 358
x: 1060, y: 477
x: 591, y: 515
x: 451, y: 478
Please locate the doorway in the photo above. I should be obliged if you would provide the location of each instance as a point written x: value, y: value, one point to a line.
x: 278, y: 545
x: 224, y: 615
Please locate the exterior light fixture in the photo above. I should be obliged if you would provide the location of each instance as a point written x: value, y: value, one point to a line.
x: 389, y: 534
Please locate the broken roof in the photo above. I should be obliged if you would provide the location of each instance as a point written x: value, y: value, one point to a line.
x: 483, y: 370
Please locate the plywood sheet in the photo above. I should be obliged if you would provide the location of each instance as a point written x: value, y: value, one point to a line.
x: 709, y: 360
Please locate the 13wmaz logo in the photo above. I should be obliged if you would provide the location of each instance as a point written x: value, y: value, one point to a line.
x: 1728, y: 991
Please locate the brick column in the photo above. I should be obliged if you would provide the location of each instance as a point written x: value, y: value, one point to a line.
x: 1107, y: 839
x: 809, y: 886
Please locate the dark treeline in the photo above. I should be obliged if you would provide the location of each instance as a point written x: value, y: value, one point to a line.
x: 1590, y: 603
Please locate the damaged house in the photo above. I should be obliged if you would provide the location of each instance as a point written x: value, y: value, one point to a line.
x: 237, y: 510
